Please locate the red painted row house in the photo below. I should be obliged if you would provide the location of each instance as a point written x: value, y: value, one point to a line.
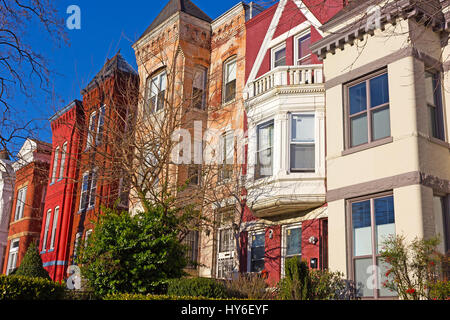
x: 82, y: 149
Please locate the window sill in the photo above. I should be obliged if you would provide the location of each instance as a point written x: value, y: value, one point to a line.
x: 439, y: 142
x: 367, y: 146
x: 225, y: 104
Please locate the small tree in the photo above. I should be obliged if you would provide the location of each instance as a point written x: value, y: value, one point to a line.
x: 133, y: 253
x: 414, y: 268
x: 32, y: 265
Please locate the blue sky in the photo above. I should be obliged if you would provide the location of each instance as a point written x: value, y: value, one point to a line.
x: 106, y: 27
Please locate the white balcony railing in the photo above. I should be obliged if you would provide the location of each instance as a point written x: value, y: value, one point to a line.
x: 286, y: 76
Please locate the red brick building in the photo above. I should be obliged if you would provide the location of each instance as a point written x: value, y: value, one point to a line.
x: 106, y: 106
x: 31, y: 170
x: 67, y: 129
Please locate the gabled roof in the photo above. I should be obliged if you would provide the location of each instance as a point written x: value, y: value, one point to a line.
x: 173, y: 7
x: 117, y: 63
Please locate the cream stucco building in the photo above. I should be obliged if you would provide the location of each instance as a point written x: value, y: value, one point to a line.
x: 387, y: 121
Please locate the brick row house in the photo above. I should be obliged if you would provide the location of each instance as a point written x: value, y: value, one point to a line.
x: 29, y: 191
x: 306, y: 140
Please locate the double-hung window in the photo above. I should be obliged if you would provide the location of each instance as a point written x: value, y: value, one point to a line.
x: 84, y: 197
x: 20, y: 203
x: 199, y: 88
x: 434, y: 104
x: 55, y: 165
x: 264, y: 153
x: 303, y: 147
x: 279, y: 56
x: 91, y: 129
x: 46, y: 227
x: 226, y: 156
x: 93, y: 189
x: 372, y: 222
x: 100, y: 127
x: 54, y: 228
x: 63, y: 161
x: 257, y: 251
x: 156, y: 91
x: 229, y: 79
x: 13, y: 253
x: 303, y: 50
x: 77, y: 244
x: 368, y: 110
x: 292, y: 242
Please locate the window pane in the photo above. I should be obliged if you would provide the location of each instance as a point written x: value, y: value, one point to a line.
x: 257, y: 252
x: 230, y: 72
x: 384, y: 219
x: 230, y: 91
x: 303, y: 157
x: 358, y: 98
x: 430, y: 88
x: 383, y: 268
x: 363, y: 276
x: 294, y: 241
x: 63, y: 161
x: 362, y: 229
x: 379, y: 90
x: 303, y: 128
x: 381, y: 124
x: 304, y: 47
x: 280, y: 57
x: 359, y: 130
x: 433, y: 121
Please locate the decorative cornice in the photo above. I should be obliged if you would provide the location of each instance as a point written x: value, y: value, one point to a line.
x: 404, y: 9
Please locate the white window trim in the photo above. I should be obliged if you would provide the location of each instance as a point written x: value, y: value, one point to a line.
x: 46, y: 227
x: 296, y: 51
x: 86, y: 237
x: 312, y: 143
x: 249, y: 246
x: 148, y: 88
x: 92, y: 186
x: 20, y: 203
x: 54, y: 228
x: 257, y: 149
x: 101, y: 115
x: 63, y: 161
x: 272, y: 54
x: 284, y: 230
x: 13, y: 252
x: 224, y: 77
x: 55, y: 165
x: 85, y: 174
x: 90, y: 136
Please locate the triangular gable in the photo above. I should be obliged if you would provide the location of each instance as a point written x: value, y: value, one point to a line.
x: 290, y: 18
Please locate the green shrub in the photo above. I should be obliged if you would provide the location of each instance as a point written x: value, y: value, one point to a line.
x: 26, y: 288
x: 197, y: 287
x: 129, y: 296
x: 297, y: 284
x: 31, y: 265
x: 440, y: 290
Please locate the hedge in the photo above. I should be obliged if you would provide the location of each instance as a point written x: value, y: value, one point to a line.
x: 130, y: 296
x: 197, y: 287
x: 26, y: 288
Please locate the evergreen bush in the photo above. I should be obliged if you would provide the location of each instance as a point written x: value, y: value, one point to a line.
x: 197, y: 287
x: 29, y: 288
x: 31, y: 265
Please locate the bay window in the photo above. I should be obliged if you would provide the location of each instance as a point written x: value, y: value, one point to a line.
x: 229, y: 79
x: 302, y: 144
x: 368, y: 110
x: 372, y: 222
x: 264, y: 153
